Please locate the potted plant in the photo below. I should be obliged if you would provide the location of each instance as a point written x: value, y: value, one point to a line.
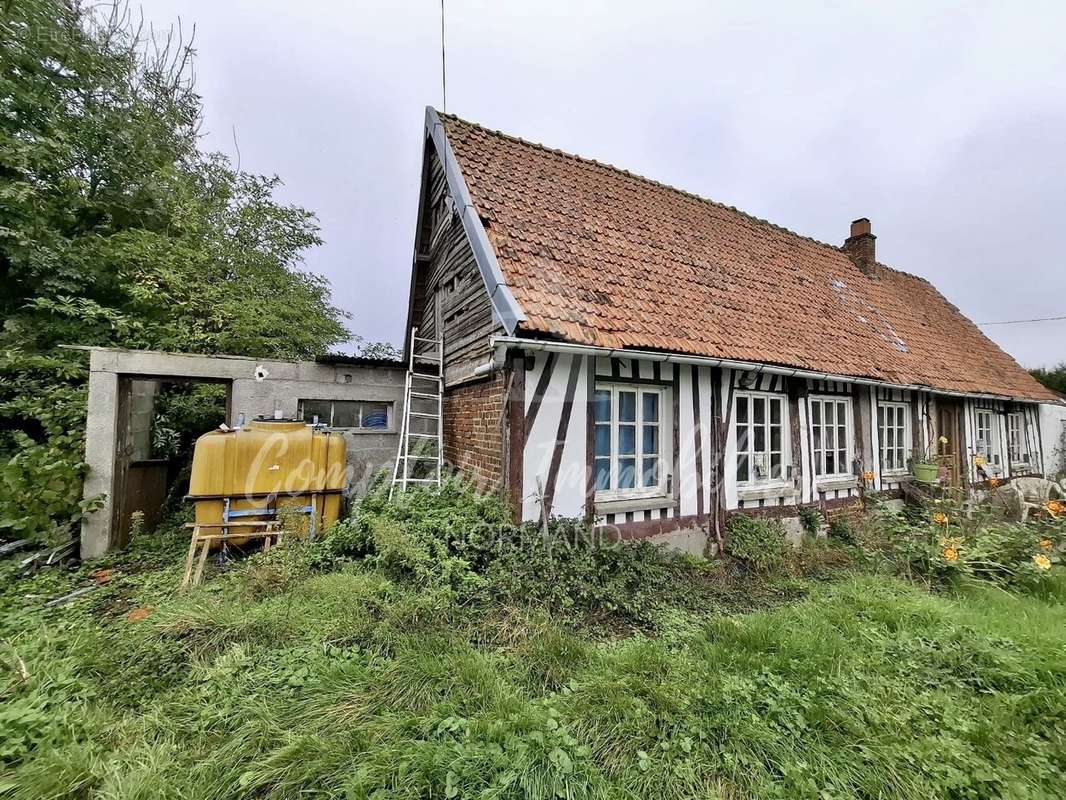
x: 925, y: 467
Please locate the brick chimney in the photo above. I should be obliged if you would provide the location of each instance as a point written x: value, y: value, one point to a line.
x: 860, y: 246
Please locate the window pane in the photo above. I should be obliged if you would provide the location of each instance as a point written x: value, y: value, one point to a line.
x: 842, y: 461
x: 651, y: 472
x: 627, y: 406
x: 890, y: 437
x: 816, y: 412
x: 760, y: 439
x: 651, y: 440
x: 743, y: 439
x: 829, y: 417
x: 775, y: 438
x: 830, y: 463
x: 818, y: 438
x: 842, y: 437
x: 758, y: 405
x: 900, y: 461
x: 742, y: 410
x: 830, y: 441
x: 627, y: 473
x: 775, y: 412
x: 775, y: 465
x: 742, y: 469
x: 312, y: 408
x: 603, y: 474
x: 345, y: 414
x: 603, y: 440
x: 627, y: 440
x: 376, y: 416
x: 651, y: 407
x: 881, y: 411
x: 602, y: 406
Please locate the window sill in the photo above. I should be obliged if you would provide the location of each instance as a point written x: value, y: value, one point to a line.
x: 623, y: 505
x: 765, y: 492
x: 364, y: 431
x: 896, y: 475
x: 833, y: 484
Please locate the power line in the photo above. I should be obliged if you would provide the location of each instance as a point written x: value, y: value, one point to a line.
x: 443, y: 68
x: 1020, y: 321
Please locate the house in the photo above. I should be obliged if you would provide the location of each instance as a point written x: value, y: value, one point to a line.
x: 620, y: 350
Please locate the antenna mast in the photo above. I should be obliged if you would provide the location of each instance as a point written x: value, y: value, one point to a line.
x: 443, y: 66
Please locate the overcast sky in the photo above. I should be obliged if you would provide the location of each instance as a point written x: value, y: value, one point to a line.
x: 945, y: 123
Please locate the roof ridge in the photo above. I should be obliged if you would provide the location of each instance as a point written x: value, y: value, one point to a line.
x: 653, y: 182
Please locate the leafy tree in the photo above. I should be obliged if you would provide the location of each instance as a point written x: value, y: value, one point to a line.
x: 115, y: 229
x: 1053, y: 378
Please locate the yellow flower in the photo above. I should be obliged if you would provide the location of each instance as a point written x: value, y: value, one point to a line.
x: 943, y: 440
x: 940, y: 518
x: 1042, y: 561
x: 868, y: 477
x: 1055, y: 507
x: 979, y: 460
x: 951, y: 554
x: 1046, y: 544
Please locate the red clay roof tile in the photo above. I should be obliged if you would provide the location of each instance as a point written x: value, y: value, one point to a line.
x: 599, y: 256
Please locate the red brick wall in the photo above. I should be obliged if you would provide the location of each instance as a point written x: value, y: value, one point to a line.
x: 473, y: 431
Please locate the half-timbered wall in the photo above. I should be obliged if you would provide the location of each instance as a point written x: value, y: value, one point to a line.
x: 699, y: 431
x: 450, y: 298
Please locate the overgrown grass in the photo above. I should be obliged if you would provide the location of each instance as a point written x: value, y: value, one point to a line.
x: 324, y: 673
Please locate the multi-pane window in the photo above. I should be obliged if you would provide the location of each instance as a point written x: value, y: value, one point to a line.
x: 760, y: 421
x: 894, y: 435
x: 831, y: 436
x: 367, y: 415
x: 988, y: 437
x: 629, y: 441
x: 1016, y: 444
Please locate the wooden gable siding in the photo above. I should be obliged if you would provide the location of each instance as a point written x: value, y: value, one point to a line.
x: 453, y: 298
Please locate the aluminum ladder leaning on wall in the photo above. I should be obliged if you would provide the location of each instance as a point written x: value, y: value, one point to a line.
x: 426, y: 390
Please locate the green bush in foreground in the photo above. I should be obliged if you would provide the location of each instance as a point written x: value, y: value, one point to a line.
x: 365, y: 670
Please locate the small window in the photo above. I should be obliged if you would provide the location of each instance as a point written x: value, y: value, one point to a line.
x: 894, y: 436
x: 362, y: 414
x: 987, y: 445
x: 760, y: 421
x: 831, y: 436
x: 628, y: 440
x: 1017, y: 446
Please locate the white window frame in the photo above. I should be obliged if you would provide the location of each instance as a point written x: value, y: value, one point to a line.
x: 882, y: 440
x: 641, y: 390
x: 784, y: 480
x: 818, y: 454
x: 991, y: 454
x: 1017, y: 443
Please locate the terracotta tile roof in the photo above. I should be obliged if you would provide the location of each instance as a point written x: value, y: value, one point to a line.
x: 599, y: 256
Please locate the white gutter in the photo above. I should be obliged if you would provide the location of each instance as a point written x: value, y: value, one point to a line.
x: 500, y: 345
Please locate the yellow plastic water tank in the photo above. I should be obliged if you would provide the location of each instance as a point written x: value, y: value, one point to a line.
x: 269, y: 469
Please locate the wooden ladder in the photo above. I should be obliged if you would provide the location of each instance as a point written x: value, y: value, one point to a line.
x: 427, y: 390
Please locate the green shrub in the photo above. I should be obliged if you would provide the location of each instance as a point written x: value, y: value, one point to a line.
x: 945, y: 541
x: 811, y: 519
x: 758, y: 543
x: 840, y: 529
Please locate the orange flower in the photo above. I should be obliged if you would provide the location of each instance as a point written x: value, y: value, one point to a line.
x: 1042, y: 561
x: 868, y: 477
x: 1046, y: 544
x: 1055, y: 507
x: 993, y: 482
x: 951, y: 554
x: 940, y: 518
